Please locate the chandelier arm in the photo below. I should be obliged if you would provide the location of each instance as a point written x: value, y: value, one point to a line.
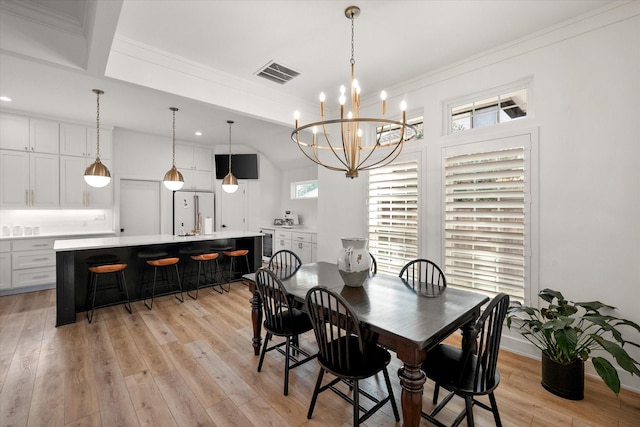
x: 397, y: 149
x: 316, y: 159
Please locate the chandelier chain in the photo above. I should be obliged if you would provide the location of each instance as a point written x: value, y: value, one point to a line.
x: 353, y: 60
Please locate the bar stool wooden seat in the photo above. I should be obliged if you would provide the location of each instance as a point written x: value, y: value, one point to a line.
x: 163, y: 264
x: 209, y: 260
x: 233, y: 255
x: 95, y: 271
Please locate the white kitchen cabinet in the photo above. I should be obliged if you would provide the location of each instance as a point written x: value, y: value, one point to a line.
x: 300, y: 243
x: 24, y: 134
x: 314, y: 248
x: 81, y: 141
x: 196, y: 165
x: 29, y: 179
x: 197, y: 180
x: 5, y: 265
x: 33, y: 263
x: 193, y: 157
x: 44, y: 136
x: 74, y: 192
x: 14, y: 132
x: 282, y: 240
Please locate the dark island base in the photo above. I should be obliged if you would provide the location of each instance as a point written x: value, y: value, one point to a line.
x: 72, y: 272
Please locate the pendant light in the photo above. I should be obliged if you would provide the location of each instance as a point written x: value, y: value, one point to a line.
x: 230, y: 183
x: 97, y: 174
x: 173, y: 179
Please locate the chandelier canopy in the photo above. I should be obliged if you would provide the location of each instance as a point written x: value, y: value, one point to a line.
x: 353, y: 143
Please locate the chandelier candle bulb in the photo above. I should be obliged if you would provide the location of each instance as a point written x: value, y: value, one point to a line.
x: 383, y: 97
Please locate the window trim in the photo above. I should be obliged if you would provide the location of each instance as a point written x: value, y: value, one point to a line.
x: 449, y: 104
x: 466, y: 144
x: 295, y: 184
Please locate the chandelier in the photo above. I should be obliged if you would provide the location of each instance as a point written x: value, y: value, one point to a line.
x: 97, y: 174
x: 352, y: 143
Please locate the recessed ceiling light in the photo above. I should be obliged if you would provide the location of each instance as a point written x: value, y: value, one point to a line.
x: 198, y: 133
x: 5, y: 98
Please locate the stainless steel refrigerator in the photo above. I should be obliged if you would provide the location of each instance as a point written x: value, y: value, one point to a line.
x: 193, y: 212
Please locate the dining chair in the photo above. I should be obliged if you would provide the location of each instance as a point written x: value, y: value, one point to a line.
x: 285, y: 263
x: 344, y: 352
x: 424, y: 275
x: 281, y: 320
x: 470, y: 371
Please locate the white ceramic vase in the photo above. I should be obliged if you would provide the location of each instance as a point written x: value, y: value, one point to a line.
x: 354, y: 261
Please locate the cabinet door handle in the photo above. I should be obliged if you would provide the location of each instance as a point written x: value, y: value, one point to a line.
x: 42, y: 276
x: 33, y: 197
x: 37, y: 245
x: 40, y: 259
x: 26, y: 197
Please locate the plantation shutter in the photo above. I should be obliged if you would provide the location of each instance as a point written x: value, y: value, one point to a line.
x: 393, y: 215
x: 485, y: 221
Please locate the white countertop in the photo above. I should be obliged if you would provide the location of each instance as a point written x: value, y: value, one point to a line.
x: 154, y: 239
x: 296, y: 228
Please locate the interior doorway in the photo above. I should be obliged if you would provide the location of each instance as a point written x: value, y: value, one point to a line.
x: 139, y: 207
x: 233, y: 209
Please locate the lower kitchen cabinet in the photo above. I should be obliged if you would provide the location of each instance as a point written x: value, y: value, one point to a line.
x: 300, y: 243
x: 33, y: 263
x: 5, y: 265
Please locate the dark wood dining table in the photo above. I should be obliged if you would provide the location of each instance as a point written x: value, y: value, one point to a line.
x: 405, y: 320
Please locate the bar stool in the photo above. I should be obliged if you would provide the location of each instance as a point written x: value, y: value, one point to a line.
x: 233, y: 255
x: 185, y: 253
x: 94, y: 272
x: 204, y: 260
x: 143, y: 257
x: 162, y: 263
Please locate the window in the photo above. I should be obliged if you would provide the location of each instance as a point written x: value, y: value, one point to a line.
x: 485, y: 221
x: 304, y: 190
x: 391, y: 134
x: 393, y: 215
x: 499, y: 106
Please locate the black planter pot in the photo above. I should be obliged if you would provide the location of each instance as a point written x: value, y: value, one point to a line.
x: 566, y: 381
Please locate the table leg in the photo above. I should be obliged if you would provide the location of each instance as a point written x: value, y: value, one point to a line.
x: 466, y: 331
x: 412, y: 380
x: 256, y: 320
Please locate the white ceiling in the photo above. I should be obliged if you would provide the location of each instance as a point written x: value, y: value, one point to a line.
x: 202, y: 56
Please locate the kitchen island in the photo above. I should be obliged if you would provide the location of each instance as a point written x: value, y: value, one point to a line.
x: 72, y: 268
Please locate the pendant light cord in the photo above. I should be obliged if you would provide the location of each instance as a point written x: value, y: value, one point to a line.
x: 97, y: 124
x: 230, y: 123
x: 174, y: 135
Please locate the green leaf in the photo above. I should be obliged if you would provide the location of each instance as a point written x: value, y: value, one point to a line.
x: 593, y: 305
x: 607, y: 372
x: 622, y: 357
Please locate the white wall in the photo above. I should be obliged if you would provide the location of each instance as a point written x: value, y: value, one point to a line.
x: 586, y: 86
x: 263, y: 195
x: 307, y: 210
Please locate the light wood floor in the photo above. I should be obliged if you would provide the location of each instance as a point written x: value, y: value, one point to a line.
x: 192, y: 364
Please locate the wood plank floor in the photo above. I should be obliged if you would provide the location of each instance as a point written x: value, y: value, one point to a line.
x: 192, y: 364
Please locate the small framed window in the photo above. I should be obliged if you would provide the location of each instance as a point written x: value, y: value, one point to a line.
x: 488, y: 108
x: 304, y: 190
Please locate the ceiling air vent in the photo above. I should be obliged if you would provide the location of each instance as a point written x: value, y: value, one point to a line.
x: 277, y: 73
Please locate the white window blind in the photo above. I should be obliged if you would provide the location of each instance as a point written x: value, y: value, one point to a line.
x: 393, y: 215
x: 485, y: 221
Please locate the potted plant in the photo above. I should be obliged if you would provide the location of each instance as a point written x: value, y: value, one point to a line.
x: 567, y: 332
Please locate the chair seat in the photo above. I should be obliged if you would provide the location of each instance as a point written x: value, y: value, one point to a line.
x: 444, y: 366
x: 237, y: 252
x: 355, y: 367
x: 163, y: 262
x: 151, y: 254
x: 204, y: 257
x: 295, y: 322
x: 109, y: 268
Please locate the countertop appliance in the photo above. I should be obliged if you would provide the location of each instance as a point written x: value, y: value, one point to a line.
x: 290, y: 219
x: 193, y: 213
